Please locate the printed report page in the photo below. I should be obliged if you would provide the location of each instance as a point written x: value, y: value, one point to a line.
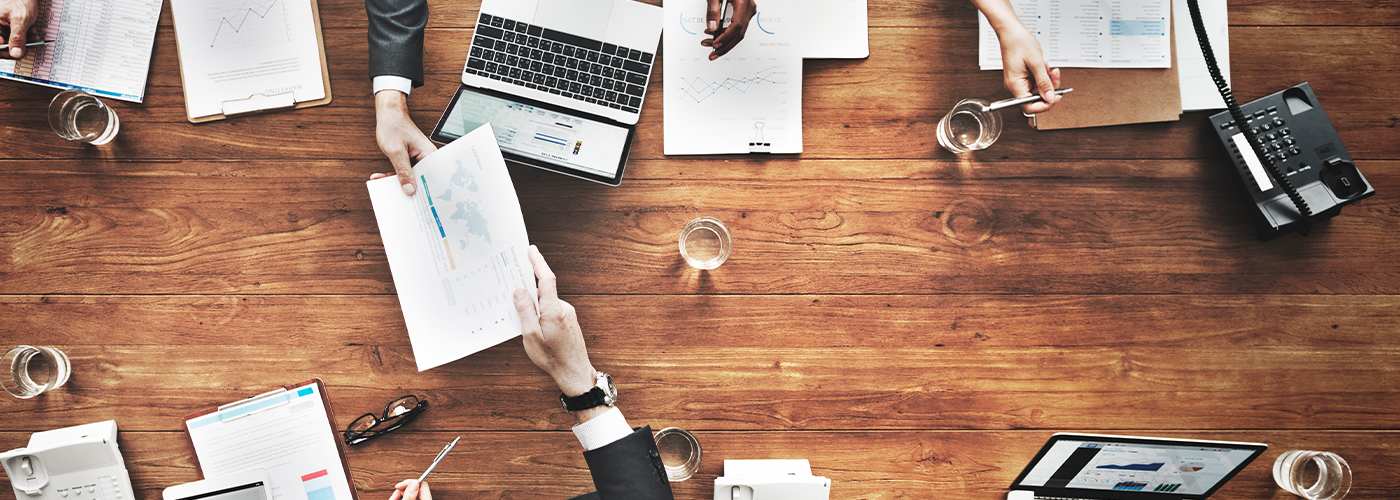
x: 753, y: 94
x: 457, y: 249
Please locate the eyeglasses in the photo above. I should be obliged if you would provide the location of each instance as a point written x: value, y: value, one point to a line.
x: 397, y: 413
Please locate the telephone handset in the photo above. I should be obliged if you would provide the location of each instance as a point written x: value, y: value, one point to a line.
x: 1287, y: 152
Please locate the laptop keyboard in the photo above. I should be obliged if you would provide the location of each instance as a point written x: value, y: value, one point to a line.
x: 559, y: 63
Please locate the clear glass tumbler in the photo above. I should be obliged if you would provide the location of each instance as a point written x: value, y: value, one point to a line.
x: 705, y: 243
x: 79, y: 116
x: 969, y: 127
x: 32, y: 371
x: 680, y: 453
x: 1314, y: 475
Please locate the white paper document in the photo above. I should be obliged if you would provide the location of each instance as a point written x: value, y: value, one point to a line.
x: 457, y: 249
x: 101, y: 46
x: 1197, y: 88
x: 1089, y: 33
x: 749, y: 100
x: 844, y: 33
x: 232, y: 51
x: 289, y: 435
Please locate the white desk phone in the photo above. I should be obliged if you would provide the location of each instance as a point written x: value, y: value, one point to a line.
x: 771, y: 480
x: 73, y: 463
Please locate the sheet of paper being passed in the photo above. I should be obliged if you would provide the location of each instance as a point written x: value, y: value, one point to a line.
x: 753, y: 94
x: 457, y: 249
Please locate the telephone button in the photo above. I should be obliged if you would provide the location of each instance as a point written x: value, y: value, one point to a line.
x: 1278, y: 122
x: 1272, y: 109
x: 1265, y: 127
x: 1271, y: 137
x: 63, y: 493
x: 1289, y: 141
x: 1294, y: 151
x: 1258, y: 114
x: 1285, y: 131
x: 1255, y: 130
x: 1226, y: 125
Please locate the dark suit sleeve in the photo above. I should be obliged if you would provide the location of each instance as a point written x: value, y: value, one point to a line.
x: 629, y: 469
x: 396, y: 38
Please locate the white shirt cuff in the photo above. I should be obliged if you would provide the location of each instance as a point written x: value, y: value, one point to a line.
x: 602, y: 430
x: 393, y: 82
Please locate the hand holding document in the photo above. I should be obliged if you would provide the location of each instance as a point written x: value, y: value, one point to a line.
x: 457, y: 249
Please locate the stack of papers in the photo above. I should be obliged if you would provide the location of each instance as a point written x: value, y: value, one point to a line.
x: 101, y: 46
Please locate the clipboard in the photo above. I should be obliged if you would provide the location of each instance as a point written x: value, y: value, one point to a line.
x: 319, y: 484
x: 257, y: 103
x: 1117, y: 96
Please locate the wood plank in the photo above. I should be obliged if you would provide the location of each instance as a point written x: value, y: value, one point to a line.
x: 248, y: 232
x: 867, y: 465
x: 972, y: 322
x: 941, y: 384
x: 940, y: 15
x: 846, y: 113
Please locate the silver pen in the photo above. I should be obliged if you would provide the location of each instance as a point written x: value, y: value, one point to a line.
x: 439, y: 458
x: 1023, y: 100
x: 42, y: 42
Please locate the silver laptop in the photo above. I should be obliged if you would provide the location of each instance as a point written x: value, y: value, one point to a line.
x: 594, y: 56
x: 1103, y: 467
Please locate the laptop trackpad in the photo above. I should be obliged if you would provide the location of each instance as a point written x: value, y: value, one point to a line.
x: 585, y: 18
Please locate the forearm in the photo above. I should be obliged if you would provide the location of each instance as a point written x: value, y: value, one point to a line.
x: 999, y: 14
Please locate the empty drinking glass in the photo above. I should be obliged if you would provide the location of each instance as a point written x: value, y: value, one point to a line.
x: 1314, y: 475
x: 31, y: 371
x: 680, y: 453
x: 970, y: 126
x: 705, y: 243
x: 78, y: 116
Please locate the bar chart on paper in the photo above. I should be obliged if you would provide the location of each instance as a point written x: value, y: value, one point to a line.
x: 318, y: 485
x: 101, y: 46
x: 747, y: 101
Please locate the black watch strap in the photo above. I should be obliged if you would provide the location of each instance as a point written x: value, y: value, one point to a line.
x: 593, y: 398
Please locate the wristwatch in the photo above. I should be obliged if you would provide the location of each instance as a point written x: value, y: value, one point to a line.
x: 605, y: 393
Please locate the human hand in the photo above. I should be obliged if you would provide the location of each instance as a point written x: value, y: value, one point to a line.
x: 411, y: 489
x: 552, y: 337
x: 1024, y: 70
x: 399, y: 138
x: 744, y: 11
x: 18, y: 16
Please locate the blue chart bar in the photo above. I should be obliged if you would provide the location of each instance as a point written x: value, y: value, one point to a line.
x: 549, y: 139
x: 438, y: 221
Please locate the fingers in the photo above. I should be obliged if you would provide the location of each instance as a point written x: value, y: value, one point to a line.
x: 734, y: 33
x: 713, y: 16
x: 1044, y: 86
x: 411, y: 489
x: 426, y: 493
x: 529, y: 318
x: 547, y: 283
x: 1041, y: 107
x: 379, y: 176
x: 420, y: 146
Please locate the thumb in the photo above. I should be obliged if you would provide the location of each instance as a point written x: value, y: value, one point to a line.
x: 17, y: 38
x: 1045, y: 87
x: 404, y: 168
x: 714, y: 16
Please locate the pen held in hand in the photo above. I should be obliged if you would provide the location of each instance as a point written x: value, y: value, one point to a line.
x: 439, y: 458
x: 38, y: 43
x: 1023, y: 100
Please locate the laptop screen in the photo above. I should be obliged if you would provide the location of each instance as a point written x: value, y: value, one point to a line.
x: 1179, y: 468
x: 540, y: 135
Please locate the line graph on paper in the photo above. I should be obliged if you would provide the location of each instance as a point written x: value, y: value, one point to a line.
x: 699, y: 89
x: 242, y: 24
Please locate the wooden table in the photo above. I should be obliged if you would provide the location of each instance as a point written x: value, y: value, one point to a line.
x: 914, y: 323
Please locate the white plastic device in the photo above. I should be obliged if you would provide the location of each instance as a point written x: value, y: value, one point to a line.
x: 771, y: 480
x: 73, y: 463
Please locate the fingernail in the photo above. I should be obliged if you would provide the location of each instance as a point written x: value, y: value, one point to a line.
x: 16, y: 52
x: 520, y: 295
x: 713, y: 26
x: 408, y: 189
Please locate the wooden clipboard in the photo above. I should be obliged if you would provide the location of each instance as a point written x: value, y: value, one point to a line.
x: 249, y: 406
x: 325, y: 75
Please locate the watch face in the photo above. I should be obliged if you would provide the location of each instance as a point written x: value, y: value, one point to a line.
x: 610, y: 395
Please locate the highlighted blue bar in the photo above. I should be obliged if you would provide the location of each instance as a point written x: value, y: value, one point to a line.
x: 438, y: 221
x: 551, y: 140
x: 1126, y: 27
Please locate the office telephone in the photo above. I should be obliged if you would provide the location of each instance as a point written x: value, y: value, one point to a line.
x: 1286, y: 151
x: 73, y: 463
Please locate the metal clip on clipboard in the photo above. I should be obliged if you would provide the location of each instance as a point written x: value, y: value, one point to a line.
x: 259, y: 103
x: 256, y: 404
x: 758, y: 144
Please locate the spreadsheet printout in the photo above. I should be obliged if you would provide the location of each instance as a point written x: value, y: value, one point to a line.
x: 100, y: 46
x: 1089, y: 33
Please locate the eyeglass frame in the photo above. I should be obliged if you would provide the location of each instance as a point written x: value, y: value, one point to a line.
x: 352, y: 437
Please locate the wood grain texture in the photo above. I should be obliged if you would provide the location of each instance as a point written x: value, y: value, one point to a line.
x: 861, y: 464
x: 914, y: 323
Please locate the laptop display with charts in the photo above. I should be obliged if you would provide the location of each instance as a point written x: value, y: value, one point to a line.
x: 560, y: 81
x: 1103, y: 467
